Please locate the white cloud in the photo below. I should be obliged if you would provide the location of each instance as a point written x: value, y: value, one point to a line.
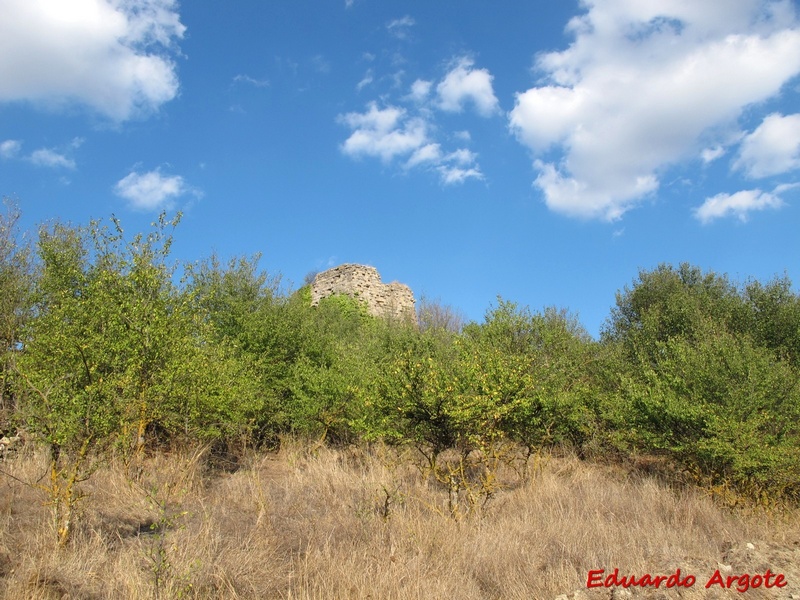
x: 10, y: 148
x: 420, y: 90
x: 575, y: 198
x: 453, y: 175
x: 773, y: 148
x: 261, y: 83
x: 429, y: 153
x: 384, y: 133
x: 785, y: 187
x: 151, y: 190
x: 458, y: 166
x: 709, y: 155
x: 409, y: 135
x: 399, y: 28
x: 643, y: 86
x: 45, y: 157
x: 110, y: 55
x: 365, y: 81
x: 464, y: 84
x: 462, y: 156
x: 739, y: 205
x: 390, y: 133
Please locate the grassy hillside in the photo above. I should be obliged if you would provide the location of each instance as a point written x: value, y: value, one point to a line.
x: 355, y: 523
x: 130, y: 380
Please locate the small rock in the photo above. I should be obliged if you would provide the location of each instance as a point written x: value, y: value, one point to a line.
x: 579, y: 595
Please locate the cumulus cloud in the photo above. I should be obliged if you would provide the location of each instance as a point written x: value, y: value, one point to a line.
x: 150, y: 190
x: 429, y: 153
x: 410, y: 136
x: 365, y: 81
x: 453, y: 168
x: 737, y: 205
x: 773, y: 148
x: 391, y: 133
x: 709, y: 155
x: 46, y: 157
x: 643, y: 86
x: 110, y: 55
x: 10, y: 148
x: 383, y: 132
x: 576, y: 198
x: 452, y: 175
x: 242, y: 78
x: 462, y: 157
x: 463, y: 84
x: 420, y: 90
x: 399, y: 28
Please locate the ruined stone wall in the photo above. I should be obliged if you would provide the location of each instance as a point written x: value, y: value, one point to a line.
x: 394, y: 300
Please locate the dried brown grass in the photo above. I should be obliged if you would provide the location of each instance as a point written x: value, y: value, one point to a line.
x: 357, y: 523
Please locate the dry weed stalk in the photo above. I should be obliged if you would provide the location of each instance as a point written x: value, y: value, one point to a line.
x: 473, y: 477
x: 362, y: 522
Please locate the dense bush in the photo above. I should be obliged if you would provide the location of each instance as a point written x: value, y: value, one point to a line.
x: 107, y: 348
x: 710, y: 376
x: 16, y: 281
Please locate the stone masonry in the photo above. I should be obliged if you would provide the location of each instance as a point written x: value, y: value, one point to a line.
x: 393, y: 300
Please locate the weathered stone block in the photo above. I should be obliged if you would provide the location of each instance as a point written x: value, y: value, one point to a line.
x: 393, y: 300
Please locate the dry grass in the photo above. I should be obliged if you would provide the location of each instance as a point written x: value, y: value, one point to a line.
x: 367, y: 523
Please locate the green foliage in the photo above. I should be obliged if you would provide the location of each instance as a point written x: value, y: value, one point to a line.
x: 228, y: 298
x: 775, y: 318
x: 670, y: 302
x: 517, y: 376
x: 117, y: 350
x: 710, y: 377
x: 16, y: 281
x: 435, y: 315
x: 329, y: 389
x: 537, y: 367
x: 103, y: 348
x: 421, y: 394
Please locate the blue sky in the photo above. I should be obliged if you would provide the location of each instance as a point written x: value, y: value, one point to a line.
x: 542, y: 151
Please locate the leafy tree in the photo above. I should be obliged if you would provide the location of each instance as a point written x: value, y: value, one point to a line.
x: 331, y: 386
x: 725, y: 408
x: 536, y: 364
x: 707, y: 376
x: 232, y: 298
x: 421, y: 393
x: 775, y: 321
x: 669, y: 302
x: 115, y: 352
x: 518, y: 376
x: 16, y: 281
x: 435, y: 315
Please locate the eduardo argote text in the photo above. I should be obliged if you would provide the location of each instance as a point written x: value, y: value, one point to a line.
x: 741, y: 583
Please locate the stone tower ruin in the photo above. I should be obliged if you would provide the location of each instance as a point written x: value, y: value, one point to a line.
x: 393, y: 300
